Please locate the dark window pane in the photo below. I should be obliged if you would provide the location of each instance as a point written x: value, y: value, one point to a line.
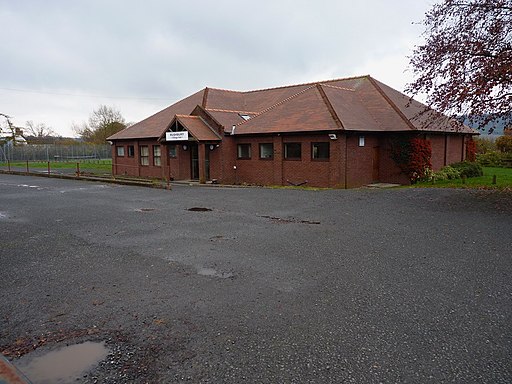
x: 292, y: 151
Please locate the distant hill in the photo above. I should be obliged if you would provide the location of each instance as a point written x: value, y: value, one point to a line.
x: 493, y: 127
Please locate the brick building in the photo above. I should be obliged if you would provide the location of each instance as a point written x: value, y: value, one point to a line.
x: 334, y: 133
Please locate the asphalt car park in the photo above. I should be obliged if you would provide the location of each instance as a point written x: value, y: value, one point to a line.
x: 213, y: 284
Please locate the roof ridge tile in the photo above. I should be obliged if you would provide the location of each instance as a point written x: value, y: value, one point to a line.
x: 230, y: 111
x: 308, y: 83
x: 335, y: 87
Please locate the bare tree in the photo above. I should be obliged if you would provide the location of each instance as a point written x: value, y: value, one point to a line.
x: 39, y: 131
x: 465, y: 65
x: 11, y: 129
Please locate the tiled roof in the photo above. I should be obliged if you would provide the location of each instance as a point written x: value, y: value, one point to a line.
x: 155, y: 125
x: 198, y: 128
x: 352, y: 104
x: 305, y: 111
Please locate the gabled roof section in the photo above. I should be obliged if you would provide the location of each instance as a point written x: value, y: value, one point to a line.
x: 306, y: 111
x: 422, y: 117
x: 378, y: 109
x: 155, y: 125
x: 351, y: 110
x: 196, y: 126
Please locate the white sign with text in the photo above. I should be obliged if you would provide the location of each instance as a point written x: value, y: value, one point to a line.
x: 176, y: 136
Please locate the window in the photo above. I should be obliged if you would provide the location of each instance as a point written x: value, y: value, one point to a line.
x: 120, y: 151
x: 244, y: 151
x: 361, y: 141
x: 172, y: 150
x: 266, y: 151
x: 157, y: 155
x: 292, y: 151
x: 320, y: 151
x: 144, y: 155
x: 131, y: 151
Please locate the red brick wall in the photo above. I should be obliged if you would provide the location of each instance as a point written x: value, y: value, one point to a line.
x: 280, y: 171
x: 360, y: 159
x: 125, y: 165
x: 438, y: 143
x: 130, y: 166
x: 369, y: 163
x: 455, y: 149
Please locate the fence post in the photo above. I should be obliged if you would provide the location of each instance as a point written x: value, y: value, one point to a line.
x: 9, y: 165
x: 77, y: 169
x: 48, y: 168
x: 27, y: 166
x: 494, y: 180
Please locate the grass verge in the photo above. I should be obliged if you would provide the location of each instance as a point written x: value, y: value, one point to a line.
x: 503, y: 180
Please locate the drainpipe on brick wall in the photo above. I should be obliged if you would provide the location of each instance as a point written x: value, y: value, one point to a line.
x: 346, y: 159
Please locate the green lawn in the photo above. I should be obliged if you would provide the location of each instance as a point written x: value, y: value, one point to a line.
x: 503, y: 180
x: 88, y: 165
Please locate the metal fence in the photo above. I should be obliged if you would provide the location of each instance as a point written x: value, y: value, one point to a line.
x: 53, y: 152
x: 76, y: 167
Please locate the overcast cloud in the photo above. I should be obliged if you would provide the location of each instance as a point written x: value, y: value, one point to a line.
x: 61, y: 59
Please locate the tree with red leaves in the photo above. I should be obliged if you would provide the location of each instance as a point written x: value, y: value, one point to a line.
x: 465, y: 65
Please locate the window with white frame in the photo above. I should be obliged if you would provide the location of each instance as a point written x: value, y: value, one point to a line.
x: 157, y: 159
x: 144, y: 155
x: 120, y: 151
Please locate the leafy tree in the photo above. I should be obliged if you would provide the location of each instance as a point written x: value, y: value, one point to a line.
x: 465, y: 65
x: 504, y: 144
x: 484, y: 145
x: 103, y: 122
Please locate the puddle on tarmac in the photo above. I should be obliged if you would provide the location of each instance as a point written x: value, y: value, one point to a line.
x: 214, y: 273
x: 145, y: 209
x: 63, y: 365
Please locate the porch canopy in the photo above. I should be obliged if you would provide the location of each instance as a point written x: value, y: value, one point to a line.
x: 189, y: 128
x: 186, y: 128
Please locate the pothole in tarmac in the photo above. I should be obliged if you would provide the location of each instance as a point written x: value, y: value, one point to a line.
x: 210, y: 272
x: 199, y: 209
x: 64, y: 365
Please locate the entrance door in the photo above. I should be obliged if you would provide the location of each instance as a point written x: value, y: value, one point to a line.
x: 194, y: 162
x: 375, y: 162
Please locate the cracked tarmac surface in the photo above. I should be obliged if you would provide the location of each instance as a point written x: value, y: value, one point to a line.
x: 401, y: 285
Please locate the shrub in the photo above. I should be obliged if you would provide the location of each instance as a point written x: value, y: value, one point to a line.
x: 446, y: 173
x: 413, y: 157
x: 468, y: 169
x: 490, y: 159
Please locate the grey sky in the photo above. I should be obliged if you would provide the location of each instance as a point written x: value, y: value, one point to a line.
x: 61, y: 59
